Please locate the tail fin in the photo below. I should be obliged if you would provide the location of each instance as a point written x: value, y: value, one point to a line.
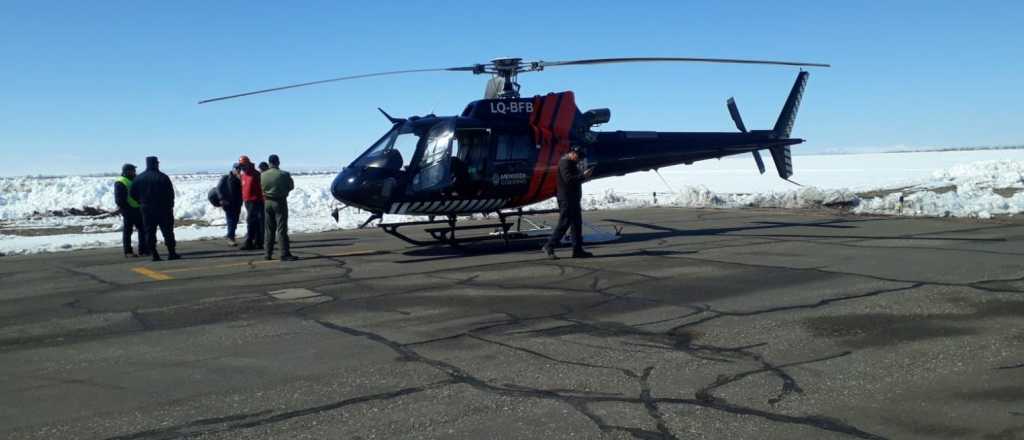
x: 784, y: 125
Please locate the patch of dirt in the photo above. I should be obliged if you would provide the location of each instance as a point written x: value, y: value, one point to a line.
x: 39, y: 232
x: 1007, y: 192
x: 905, y: 190
x: 87, y: 211
x: 881, y: 192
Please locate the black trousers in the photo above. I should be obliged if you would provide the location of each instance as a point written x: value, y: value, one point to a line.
x: 570, y: 216
x: 163, y: 219
x: 254, y: 224
x: 131, y: 220
x: 232, y: 213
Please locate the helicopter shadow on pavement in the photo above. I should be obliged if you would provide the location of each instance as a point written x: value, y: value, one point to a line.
x: 529, y: 246
x: 444, y: 252
x: 662, y: 232
x: 658, y: 232
x: 322, y: 241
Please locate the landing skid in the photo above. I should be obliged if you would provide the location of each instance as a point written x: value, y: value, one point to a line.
x: 511, y: 225
x: 444, y: 231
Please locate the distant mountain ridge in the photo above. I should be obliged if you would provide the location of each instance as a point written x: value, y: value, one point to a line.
x: 901, y: 149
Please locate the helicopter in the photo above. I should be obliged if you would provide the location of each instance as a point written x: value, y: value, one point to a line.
x: 501, y: 153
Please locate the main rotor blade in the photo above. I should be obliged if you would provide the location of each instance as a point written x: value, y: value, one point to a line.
x: 543, y: 64
x: 342, y: 78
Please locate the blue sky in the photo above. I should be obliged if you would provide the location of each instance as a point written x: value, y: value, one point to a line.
x: 90, y: 85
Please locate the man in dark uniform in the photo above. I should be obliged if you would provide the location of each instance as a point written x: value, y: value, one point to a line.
x: 131, y: 217
x: 570, y: 213
x: 155, y: 193
x: 229, y: 191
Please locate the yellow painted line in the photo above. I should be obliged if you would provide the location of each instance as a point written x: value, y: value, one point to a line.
x: 159, y: 276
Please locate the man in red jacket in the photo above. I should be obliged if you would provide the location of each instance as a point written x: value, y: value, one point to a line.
x: 252, y: 197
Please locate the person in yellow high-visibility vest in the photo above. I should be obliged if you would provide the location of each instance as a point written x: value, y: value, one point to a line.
x: 131, y: 216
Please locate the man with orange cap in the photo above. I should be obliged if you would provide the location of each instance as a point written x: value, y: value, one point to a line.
x: 252, y: 197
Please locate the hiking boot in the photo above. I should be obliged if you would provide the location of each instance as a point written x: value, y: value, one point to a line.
x: 550, y: 253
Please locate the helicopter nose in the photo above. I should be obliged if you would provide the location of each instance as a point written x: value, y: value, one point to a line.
x: 345, y: 187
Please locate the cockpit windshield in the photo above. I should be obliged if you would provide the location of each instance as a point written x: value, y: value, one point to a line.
x: 400, y: 146
x: 399, y: 143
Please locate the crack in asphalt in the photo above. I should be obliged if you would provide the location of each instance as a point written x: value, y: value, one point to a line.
x: 821, y: 269
x: 185, y: 429
x: 789, y: 384
x: 252, y: 420
x: 89, y: 276
x: 578, y: 402
x: 651, y: 405
x: 673, y: 339
x: 817, y: 304
x: 625, y: 371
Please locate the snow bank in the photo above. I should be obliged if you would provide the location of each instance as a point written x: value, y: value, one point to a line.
x: 978, y: 189
x: 967, y: 190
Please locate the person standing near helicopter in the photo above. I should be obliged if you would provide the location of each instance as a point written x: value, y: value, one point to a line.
x: 570, y: 213
x: 155, y: 194
x: 276, y: 185
x: 252, y: 197
x: 131, y: 215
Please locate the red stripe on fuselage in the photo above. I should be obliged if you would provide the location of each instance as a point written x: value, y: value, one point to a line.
x: 551, y: 132
x: 538, y: 119
x: 560, y: 146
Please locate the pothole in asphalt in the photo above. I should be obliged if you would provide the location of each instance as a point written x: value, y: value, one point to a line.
x: 298, y: 294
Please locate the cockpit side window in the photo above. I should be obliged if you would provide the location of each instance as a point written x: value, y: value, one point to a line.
x: 439, y: 143
x: 512, y: 147
x: 474, y: 151
x: 405, y: 144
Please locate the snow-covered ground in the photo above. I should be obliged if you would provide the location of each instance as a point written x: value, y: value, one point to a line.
x: 957, y: 183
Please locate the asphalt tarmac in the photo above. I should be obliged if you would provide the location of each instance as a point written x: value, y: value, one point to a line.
x: 741, y: 324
